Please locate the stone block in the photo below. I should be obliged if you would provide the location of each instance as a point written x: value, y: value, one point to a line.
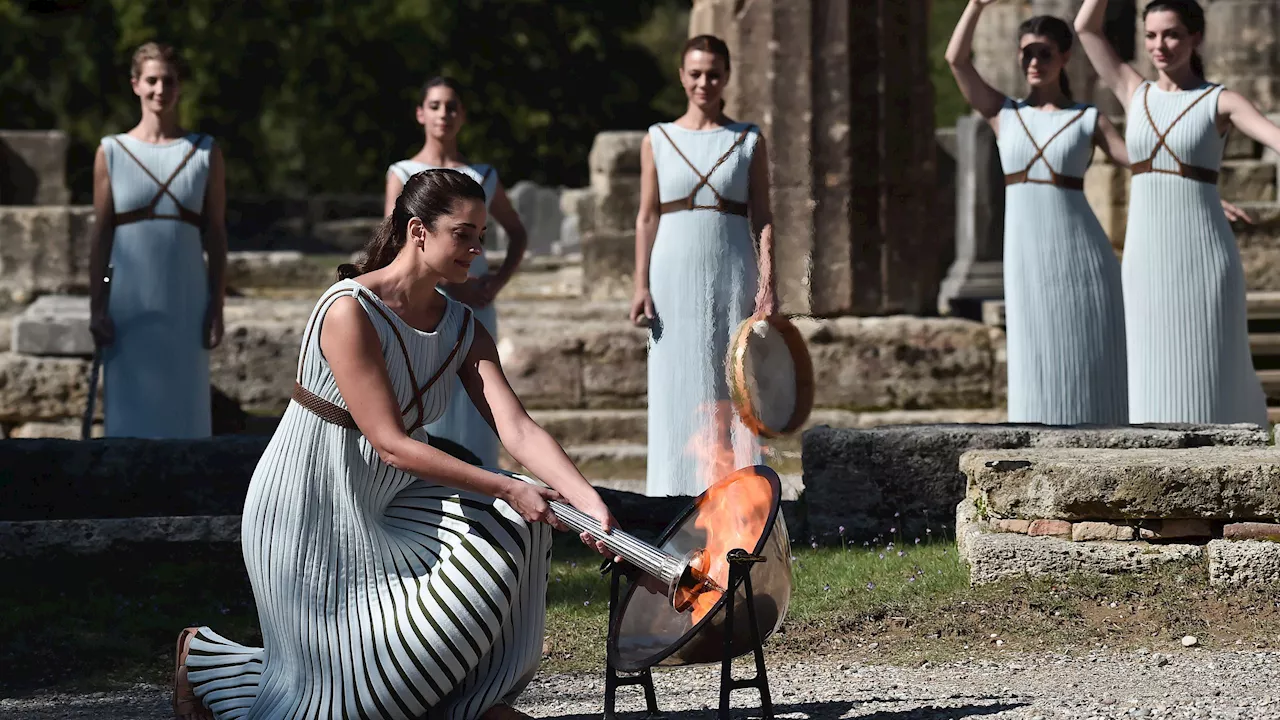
x: 1237, y: 563
x: 1260, y: 246
x: 859, y: 478
x: 60, y: 430
x: 1014, y: 526
x: 576, y: 206
x: 350, y: 235
x: 54, y: 325
x: 615, y: 371
x: 281, y: 269
x: 33, y: 167
x: 1251, y: 531
x: 43, y: 250
x: 608, y: 264
x: 1248, y: 181
x: 996, y: 556
x: 1049, y: 528
x: 1091, y: 531
x: 43, y: 388
x: 615, y: 153
x: 86, y: 537
x: 1203, y: 483
x: 544, y: 369
x: 1175, y: 529
x: 539, y: 211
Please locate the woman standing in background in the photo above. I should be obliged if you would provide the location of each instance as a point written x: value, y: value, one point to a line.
x: 442, y: 114
x: 159, y: 202
x: 1064, y: 302
x: 704, y: 204
x: 1188, y: 339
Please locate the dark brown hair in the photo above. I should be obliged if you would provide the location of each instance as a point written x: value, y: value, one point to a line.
x: 154, y: 51
x: 427, y: 196
x: 1057, y: 30
x: 706, y: 43
x: 1191, y: 15
x: 439, y: 80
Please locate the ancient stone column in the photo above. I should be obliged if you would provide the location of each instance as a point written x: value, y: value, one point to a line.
x: 1241, y: 51
x: 836, y: 90
x: 718, y: 17
x: 995, y: 46
x: 977, y: 273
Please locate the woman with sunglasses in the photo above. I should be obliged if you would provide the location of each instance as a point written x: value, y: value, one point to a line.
x: 1064, y: 310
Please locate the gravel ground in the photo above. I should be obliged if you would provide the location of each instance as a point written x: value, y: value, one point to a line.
x: 1191, y: 684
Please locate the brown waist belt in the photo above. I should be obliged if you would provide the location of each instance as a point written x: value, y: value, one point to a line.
x: 149, y: 213
x: 322, y: 408
x: 1070, y: 182
x: 1190, y: 172
x: 728, y: 207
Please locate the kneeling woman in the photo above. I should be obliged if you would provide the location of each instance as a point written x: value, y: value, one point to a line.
x: 392, y: 579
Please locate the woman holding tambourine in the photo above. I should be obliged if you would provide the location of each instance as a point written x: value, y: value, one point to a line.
x: 704, y: 202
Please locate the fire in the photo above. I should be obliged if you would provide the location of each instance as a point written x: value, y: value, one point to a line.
x: 733, y: 512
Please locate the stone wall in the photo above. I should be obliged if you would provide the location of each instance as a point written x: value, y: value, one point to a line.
x: 33, y: 167
x: 608, y: 226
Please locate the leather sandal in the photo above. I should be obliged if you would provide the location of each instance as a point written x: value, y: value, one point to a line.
x: 186, y: 706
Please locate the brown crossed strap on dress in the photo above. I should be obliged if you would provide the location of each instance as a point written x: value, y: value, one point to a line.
x: 331, y: 413
x: 1069, y: 182
x: 723, y: 204
x: 149, y: 212
x: 1191, y: 172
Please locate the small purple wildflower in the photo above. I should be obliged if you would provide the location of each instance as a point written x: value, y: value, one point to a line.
x: 881, y: 556
x: 893, y: 529
x: 917, y: 541
x: 826, y: 587
x: 841, y: 529
x: 911, y: 579
x: 871, y: 586
x: 814, y: 545
x: 900, y: 553
x: 586, y: 603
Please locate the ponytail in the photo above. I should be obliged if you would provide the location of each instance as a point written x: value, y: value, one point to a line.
x: 378, y: 253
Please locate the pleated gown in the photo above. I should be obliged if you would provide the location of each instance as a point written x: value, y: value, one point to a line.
x: 156, y: 371
x: 1189, y: 358
x: 1064, y: 306
x: 461, y: 422
x: 702, y: 277
x: 380, y: 595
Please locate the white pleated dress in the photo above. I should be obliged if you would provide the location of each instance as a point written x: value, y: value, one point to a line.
x: 1184, y: 290
x: 156, y: 372
x: 461, y: 422
x: 380, y: 595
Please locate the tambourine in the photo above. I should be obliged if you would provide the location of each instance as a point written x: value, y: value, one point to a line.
x: 770, y: 375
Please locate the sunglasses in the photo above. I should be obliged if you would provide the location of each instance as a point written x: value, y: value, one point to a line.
x: 1037, y: 51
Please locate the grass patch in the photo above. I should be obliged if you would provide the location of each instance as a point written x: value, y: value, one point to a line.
x: 78, y: 623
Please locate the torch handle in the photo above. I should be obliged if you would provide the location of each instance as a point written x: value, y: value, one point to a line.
x: 660, y: 564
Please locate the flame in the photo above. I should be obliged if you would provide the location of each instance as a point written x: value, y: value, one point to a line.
x: 733, y: 512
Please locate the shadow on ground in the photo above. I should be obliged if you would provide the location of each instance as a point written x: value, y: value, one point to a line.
x: 832, y: 710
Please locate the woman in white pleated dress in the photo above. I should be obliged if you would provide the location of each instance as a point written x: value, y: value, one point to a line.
x: 392, y: 579
x: 442, y: 114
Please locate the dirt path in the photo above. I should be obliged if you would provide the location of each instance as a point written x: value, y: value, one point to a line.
x: 1192, y: 684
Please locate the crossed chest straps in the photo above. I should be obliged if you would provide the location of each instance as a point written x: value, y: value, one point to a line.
x: 1191, y: 172
x: 148, y: 212
x: 340, y: 416
x: 1069, y: 182
x: 723, y: 204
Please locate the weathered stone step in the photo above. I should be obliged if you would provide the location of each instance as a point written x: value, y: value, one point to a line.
x: 1270, y: 383
x: 1264, y: 344
x: 558, y: 355
x: 620, y: 461
x: 1209, y: 483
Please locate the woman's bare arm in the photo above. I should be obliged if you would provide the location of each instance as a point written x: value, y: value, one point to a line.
x: 646, y: 232
x: 984, y: 98
x: 1116, y: 74
x: 1108, y: 137
x: 101, y: 235
x: 762, y: 226
x: 215, y: 245
x: 390, y: 193
x: 517, y: 238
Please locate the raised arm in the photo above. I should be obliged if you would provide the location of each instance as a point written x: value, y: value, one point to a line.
x: 984, y: 98
x: 1115, y: 73
x: 1235, y: 110
x: 1108, y: 137
x: 647, y: 218
x: 530, y: 445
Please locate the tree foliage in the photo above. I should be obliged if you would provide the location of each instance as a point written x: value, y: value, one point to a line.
x: 318, y: 96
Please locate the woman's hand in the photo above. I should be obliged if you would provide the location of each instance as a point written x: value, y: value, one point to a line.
x: 101, y: 327
x: 598, y: 510
x: 1235, y: 214
x: 213, y: 327
x: 642, y: 313
x: 475, y: 292
x: 531, y: 502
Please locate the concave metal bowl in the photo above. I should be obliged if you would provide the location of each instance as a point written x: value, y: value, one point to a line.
x: 647, y: 631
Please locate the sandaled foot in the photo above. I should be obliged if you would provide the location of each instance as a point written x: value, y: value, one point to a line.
x: 186, y: 706
x: 504, y: 712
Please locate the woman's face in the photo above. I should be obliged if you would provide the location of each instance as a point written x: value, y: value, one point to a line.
x: 1167, y: 40
x: 455, y: 242
x: 1042, y: 62
x: 156, y: 86
x: 441, y: 113
x: 704, y: 76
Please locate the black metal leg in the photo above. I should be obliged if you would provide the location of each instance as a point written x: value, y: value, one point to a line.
x: 740, y: 572
x: 612, y: 681
x: 761, y: 679
x: 726, y: 662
